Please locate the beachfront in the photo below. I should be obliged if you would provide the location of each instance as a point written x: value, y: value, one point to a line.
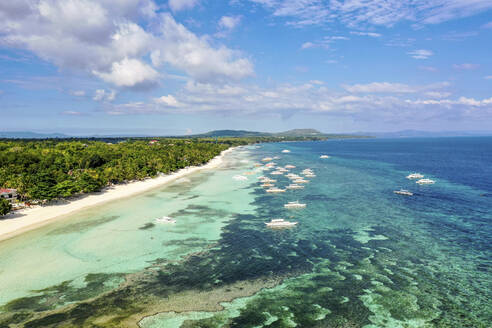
x: 37, y: 216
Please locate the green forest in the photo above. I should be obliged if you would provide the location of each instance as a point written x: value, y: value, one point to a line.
x: 49, y: 169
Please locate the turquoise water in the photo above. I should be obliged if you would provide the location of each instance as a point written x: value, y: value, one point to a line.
x: 122, y: 237
x: 360, y: 256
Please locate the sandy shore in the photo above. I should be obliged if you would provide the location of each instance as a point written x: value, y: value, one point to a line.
x: 36, y: 216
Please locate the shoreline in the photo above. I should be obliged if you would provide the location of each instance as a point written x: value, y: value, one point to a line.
x: 32, y: 218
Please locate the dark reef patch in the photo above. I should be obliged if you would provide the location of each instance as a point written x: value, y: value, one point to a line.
x: 147, y: 226
x: 83, y: 225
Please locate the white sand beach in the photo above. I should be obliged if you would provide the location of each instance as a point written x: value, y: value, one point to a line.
x: 31, y: 218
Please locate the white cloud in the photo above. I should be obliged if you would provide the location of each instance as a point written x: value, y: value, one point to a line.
x: 226, y: 25
x: 460, y: 101
x: 488, y: 77
x: 466, y: 66
x: 229, y: 22
x: 390, y: 102
x: 437, y: 94
x: 307, y: 45
x: 130, y: 73
x: 103, y: 95
x: 387, y: 87
x: 380, y: 87
x: 194, y: 55
x: 420, y: 54
x: 355, y: 13
x: 178, y: 5
x: 105, y: 38
x: 325, y: 42
x: 371, y: 34
x: 488, y: 25
x: 168, y: 100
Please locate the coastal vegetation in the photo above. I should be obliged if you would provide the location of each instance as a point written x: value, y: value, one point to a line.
x: 5, y: 206
x: 50, y: 169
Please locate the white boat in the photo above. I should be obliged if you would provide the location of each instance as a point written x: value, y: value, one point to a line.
x: 294, y: 186
x: 403, y: 192
x: 285, y: 151
x: 268, y: 185
x: 240, y: 178
x: 267, y: 180
x: 425, y: 181
x: 310, y: 175
x: 267, y: 159
x: 295, y: 204
x: 275, y: 190
x: 277, y: 173
x: 276, y: 157
x: 280, y: 223
x: 165, y: 219
x: 300, y: 181
x: 324, y: 156
x: 415, y: 176
x: 289, y: 166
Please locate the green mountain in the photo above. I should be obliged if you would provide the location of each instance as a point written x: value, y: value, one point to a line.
x: 299, y: 133
x: 229, y: 133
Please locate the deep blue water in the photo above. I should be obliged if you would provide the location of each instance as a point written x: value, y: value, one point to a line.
x: 463, y: 160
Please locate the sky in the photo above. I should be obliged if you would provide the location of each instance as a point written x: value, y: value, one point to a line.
x: 175, y: 67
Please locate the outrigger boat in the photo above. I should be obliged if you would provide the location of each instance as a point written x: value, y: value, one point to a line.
x: 295, y: 204
x: 403, y: 192
x: 280, y: 223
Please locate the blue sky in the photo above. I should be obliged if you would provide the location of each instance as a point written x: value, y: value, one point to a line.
x: 189, y: 66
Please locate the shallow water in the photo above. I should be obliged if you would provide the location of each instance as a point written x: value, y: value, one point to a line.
x: 123, y: 236
x: 360, y: 256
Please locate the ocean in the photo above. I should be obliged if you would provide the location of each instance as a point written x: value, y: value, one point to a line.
x: 360, y: 255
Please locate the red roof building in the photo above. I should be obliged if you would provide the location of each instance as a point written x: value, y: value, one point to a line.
x: 9, y: 194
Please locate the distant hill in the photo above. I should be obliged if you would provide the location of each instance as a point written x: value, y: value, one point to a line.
x: 228, y: 133
x: 31, y: 135
x: 300, y: 133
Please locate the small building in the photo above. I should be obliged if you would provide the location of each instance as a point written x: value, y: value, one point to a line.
x: 8, y: 194
x: 153, y: 142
